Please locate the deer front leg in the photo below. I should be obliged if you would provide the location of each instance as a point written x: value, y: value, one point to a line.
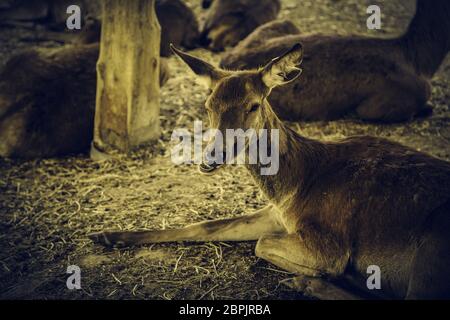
x: 290, y: 252
x: 243, y: 228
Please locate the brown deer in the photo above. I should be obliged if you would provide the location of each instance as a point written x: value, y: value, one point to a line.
x: 228, y: 22
x: 178, y: 25
x: 47, y: 101
x: 47, y: 96
x: 378, y: 79
x: 178, y: 22
x: 268, y: 32
x: 336, y: 208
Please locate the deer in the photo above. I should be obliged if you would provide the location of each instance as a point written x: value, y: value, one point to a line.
x: 178, y: 22
x: 47, y: 96
x: 270, y: 31
x: 335, y: 208
x: 47, y: 100
x: 228, y: 22
x: 375, y: 79
x: 178, y: 25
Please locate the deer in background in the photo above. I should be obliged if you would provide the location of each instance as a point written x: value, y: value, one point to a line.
x: 47, y: 96
x: 335, y: 207
x: 178, y: 25
x: 268, y: 32
x: 206, y: 4
x: 378, y: 79
x: 178, y: 22
x: 228, y: 22
x: 47, y: 101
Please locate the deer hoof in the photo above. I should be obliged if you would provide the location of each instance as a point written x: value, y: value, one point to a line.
x: 299, y: 283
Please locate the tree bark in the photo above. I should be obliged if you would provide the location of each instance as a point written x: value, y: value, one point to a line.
x: 127, y: 103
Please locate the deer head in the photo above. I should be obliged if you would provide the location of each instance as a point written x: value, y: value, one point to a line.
x: 228, y: 22
x: 238, y: 99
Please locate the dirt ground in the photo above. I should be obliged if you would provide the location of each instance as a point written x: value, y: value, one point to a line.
x: 47, y: 207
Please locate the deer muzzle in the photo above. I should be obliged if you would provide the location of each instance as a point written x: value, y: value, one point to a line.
x: 210, y: 166
x: 213, y: 158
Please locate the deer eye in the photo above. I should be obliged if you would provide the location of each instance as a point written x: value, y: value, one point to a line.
x: 254, y: 107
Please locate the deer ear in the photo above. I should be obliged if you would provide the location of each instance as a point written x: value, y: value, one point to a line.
x: 201, y: 68
x: 283, y: 69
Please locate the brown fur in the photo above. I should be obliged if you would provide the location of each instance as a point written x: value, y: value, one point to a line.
x: 178, y: 25
x: 262, y: 34
x: 178, y: 22
x: 228, y: 22
x: 336, y: 207
x: 47, y: 96
x: 47, y: 101
x: 378, y: 79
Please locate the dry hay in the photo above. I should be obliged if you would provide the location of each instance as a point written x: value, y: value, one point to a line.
x: 53, y: 204
x: 47, y: 207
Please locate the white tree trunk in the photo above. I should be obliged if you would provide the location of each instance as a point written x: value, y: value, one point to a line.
x: 127, y: 105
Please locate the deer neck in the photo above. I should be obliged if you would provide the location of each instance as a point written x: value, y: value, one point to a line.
x: 427, y: 41
x: 299, y: 158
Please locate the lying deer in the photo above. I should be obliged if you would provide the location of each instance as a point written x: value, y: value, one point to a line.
x: 336, y: 207
x: 178, y: 23
x: 228, y: 22
x: 47, y: 96
x: 47, y: 101
x: 268, y: 32
x: 378, y: 79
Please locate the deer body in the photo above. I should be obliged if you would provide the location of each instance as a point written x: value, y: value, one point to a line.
x: 47, y: 101
x: 359, y: 202
x: 47, y: 96
x: 335, y: 208
x: 380, y: 88
x: 378, y: 79
x: 178, y: 22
